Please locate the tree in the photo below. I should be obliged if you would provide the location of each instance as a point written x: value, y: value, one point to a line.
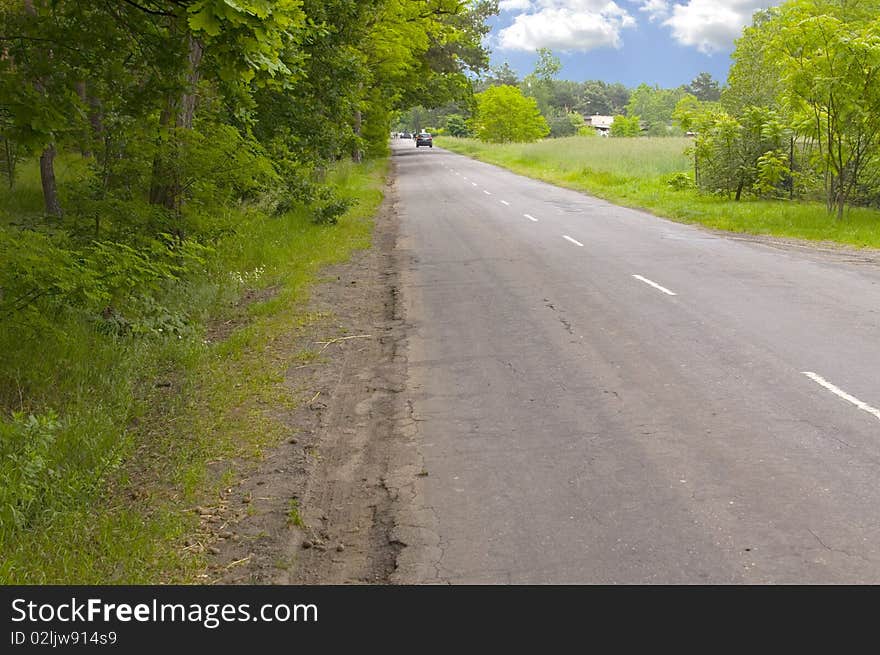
x: 624, y: 126
x: 597, y: 97
x: 830, y: 60
x: 502, y: 75
x: 655, y: 107
x: 737, y: 154
x: 704, y: 88
x: 234, y: 43
x: 755, y: 77
x: 548, y: 65
x: 34, y: 82
x: 565, y: 123
x: 419, y: 53
x: 456, y: 125
x: 539, y: 83
x: 504, y: 115
x: 565, y: 95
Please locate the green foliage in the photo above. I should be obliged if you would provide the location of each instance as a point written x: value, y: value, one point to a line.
x: 502, y: 75
x: 829, y: 56
x: 737, y: 154
x: 655, y: 106
x: 803, y: 88
x: 113, y: 283
x: 504, y: 115
x: 564, y: 124
x: 28, y: 469
x: 772, y: 170
x: 548, y: 65
x: 680, y: 182
x: 597, y: 97
x: 540, y: 83
x: 704, y: 88
x: 456, y: 125
x: 84, y: 404
x: 755, y: 77
x: 329, y: 208
x: 626, y: 127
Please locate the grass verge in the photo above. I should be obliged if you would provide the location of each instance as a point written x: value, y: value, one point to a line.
x: 172, y: 417
x: 635, y: 173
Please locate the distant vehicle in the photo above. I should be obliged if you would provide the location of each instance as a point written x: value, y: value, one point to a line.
x: 406, y: 135
x: 424, y: 139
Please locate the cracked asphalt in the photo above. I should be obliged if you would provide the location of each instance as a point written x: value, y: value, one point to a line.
x: 602, y: 396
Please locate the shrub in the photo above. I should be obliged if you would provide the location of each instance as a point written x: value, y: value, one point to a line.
x: 28, y: 470
x: 680, y: 182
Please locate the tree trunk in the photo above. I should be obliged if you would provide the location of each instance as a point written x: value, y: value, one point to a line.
x: 831, y: 186
x: 96, y: 116
x: 739, y: 188
x: 161, y: 192
x: 356, y: 154
x: 84, y: 146
x: 47, y: 177
x: 179, y: 112
x: 189, y: 98
x: 94, y: 132
x: 10, y: 158
x: 47, y: 158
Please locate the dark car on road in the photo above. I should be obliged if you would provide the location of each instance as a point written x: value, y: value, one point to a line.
x: 424, y: 139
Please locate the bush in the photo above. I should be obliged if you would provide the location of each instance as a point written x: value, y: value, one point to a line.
x: 456, y: 125
x: 680, y: 182
x: 28, y: 470
x: 626, y: 127
x: 330, y: 208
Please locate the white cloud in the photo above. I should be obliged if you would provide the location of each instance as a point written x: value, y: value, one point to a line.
x: 514, y: 5
x: 582, y: 25
x: 656, y: 9
x: 567, y: 25
x: 710, y: 25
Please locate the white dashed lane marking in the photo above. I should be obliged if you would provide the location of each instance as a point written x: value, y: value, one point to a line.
x: 818, y: 379
x: 574, y: 241
x: 655, y: 285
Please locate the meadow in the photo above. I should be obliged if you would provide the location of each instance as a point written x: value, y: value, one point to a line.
x: 637, y: 172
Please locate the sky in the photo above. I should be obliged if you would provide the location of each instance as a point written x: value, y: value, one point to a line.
x: 665, y: 42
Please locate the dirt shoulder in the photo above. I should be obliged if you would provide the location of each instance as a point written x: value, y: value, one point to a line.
x: 331, y: 504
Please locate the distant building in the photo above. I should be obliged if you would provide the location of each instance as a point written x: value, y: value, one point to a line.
x: 602, y: 124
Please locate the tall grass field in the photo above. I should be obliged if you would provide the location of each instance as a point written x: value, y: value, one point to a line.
x: 636, y: 173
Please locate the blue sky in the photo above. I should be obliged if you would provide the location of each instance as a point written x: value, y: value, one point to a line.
x: 665, y: 42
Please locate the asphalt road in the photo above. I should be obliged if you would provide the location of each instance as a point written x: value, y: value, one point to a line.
x: 580, y: 424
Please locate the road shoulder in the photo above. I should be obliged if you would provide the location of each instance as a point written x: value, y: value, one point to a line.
x: 335, y: 503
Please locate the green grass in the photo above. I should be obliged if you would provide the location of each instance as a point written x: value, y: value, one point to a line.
x: 634, y: 173
x: 293, y: 515
x: 25, y: 199
x: 173, y: 421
